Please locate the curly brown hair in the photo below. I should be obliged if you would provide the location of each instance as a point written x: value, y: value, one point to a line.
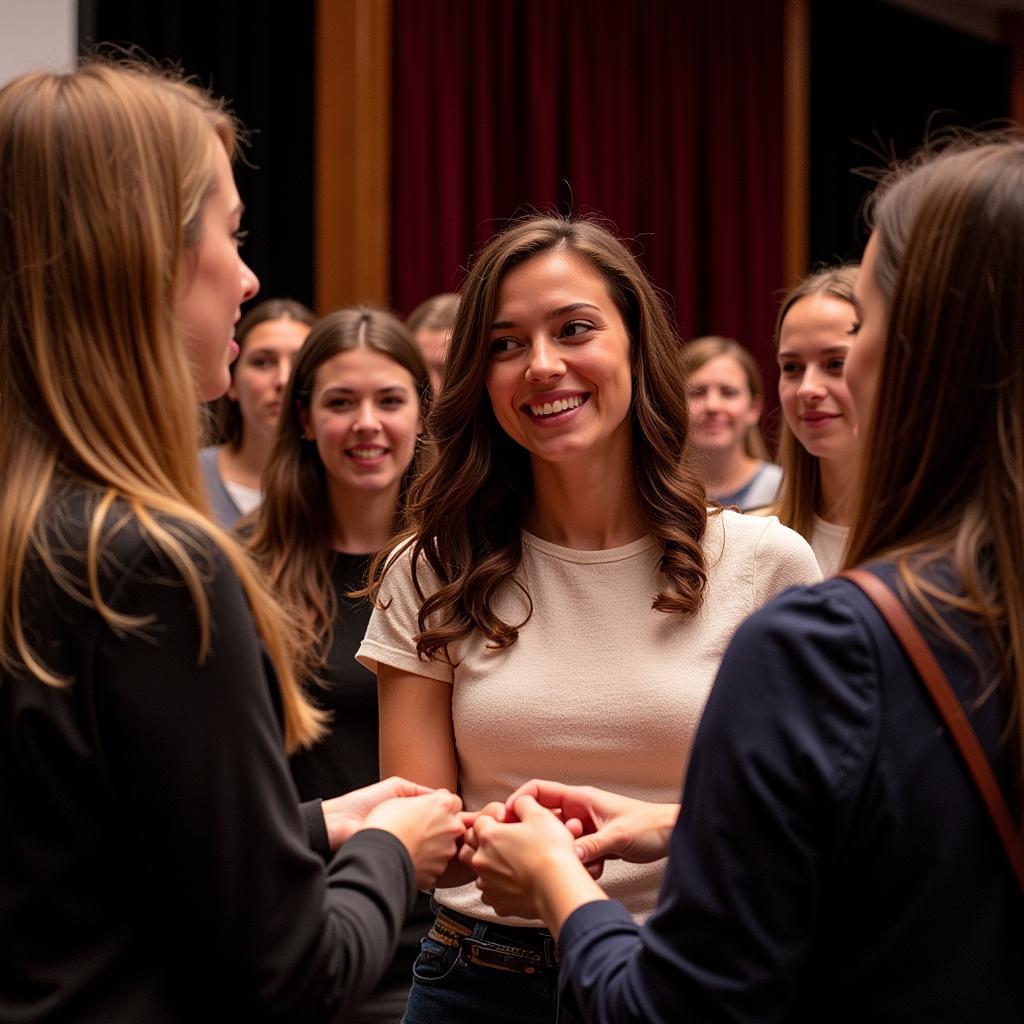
x: 466, y: 511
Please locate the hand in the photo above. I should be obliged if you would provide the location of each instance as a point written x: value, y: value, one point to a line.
x: 613, y: 826
x: 344, y: 814
x: 428, y: 826
x: 528, y: 867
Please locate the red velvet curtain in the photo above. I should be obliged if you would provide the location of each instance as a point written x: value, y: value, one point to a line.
x: 662, y: 116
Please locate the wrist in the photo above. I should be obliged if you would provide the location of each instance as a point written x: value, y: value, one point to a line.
x: 561, y: 885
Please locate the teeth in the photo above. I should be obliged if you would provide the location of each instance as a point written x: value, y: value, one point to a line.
x: 367, y: 453
x: 557, y: 406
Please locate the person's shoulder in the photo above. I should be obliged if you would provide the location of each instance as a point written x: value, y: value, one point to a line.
x: 758, y: 529
x: 129, y: 541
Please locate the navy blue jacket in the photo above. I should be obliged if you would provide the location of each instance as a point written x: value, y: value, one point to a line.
x: 831, y: 861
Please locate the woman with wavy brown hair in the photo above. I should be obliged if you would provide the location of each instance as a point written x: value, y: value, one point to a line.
x: 834, y: 858
x: 347, y: 448
x: 563, y: 594
x: 155, y: 863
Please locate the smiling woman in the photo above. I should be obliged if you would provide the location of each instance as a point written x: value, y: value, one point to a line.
x: 819, y: 448
x: 345, y: 451
x: 560, y: 569
x: 725, y: 392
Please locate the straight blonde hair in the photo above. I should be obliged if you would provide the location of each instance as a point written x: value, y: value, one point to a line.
x: 103, y: 176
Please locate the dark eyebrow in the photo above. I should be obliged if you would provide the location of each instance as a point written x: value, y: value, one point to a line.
x: 554, y: 314
x: 339, y: 389
x: 824, y: 351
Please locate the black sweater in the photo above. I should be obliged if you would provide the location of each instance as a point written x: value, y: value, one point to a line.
x: 154, y: 865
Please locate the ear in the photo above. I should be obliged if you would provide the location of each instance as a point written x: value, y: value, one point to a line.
x: 754, y: 413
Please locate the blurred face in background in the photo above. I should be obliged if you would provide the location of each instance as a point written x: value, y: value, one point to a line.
x: 722, y: 408
x: 262, y: 370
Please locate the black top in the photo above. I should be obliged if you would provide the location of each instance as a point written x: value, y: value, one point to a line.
x: 832, y: 860
x: 348, y: 756
x: 154, y: 865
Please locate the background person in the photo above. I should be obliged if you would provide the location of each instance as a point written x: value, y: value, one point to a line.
x: 726, y: 392
x: 819, y: 447
x: 431, y: 324
x: 268, y: 337
x: 336, y: 482
x: 832, y: 859
x: 560, y: 564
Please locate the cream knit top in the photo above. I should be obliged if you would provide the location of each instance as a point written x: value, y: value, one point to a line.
x: 599, y: 689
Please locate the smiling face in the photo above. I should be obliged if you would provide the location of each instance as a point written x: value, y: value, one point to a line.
x: 722, y: 409
x: 213, y: 282
x: 262, y: 370
x: 364, y: 416
x: 813, y: 344
x: 559, y: 375
x: 865, y: 362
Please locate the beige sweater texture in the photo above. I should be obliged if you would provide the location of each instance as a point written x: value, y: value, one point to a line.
x: 599, y: 689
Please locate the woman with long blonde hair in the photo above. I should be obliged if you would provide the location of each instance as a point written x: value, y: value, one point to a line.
x: 834, y: 858
x: 155, y: 865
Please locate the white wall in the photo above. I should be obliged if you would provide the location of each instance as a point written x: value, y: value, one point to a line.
x: 37, y: 34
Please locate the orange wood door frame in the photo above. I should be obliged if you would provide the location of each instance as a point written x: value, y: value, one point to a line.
x: 352, y: 180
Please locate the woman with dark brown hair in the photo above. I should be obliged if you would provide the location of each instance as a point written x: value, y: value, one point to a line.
x: 562, y: 596
x: 347, y: 448
x: 834, y: 859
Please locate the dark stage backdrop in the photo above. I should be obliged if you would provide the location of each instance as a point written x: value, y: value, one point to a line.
x: 259, y: 54
x: 882, y: 79
x: 663, y: 117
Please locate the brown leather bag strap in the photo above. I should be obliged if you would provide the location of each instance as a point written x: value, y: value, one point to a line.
x: 934, y: 679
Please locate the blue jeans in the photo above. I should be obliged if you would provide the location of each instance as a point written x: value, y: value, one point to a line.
x: 470, y: 971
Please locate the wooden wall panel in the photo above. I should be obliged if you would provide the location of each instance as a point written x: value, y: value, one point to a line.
x: 353, y: 151
x: 796, y: 141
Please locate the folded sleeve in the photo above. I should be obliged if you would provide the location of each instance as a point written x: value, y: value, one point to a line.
x: 394, y: 624
x: 212, y: 827
x: 790, y: 725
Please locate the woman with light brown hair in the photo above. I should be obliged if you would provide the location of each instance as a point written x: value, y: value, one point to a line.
x: 431, y: 324
x: 268, y: 337
x: 563, y: 593
x: 347, y: 448
x: 819, y: 449
x: 838, y: 855
x: 724, y: 386
x: 155, y: 863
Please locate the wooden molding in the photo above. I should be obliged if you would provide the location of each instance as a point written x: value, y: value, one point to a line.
x: 796, y: 140
x: 352, y: 181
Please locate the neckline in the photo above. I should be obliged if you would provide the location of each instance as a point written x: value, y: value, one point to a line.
x: 616, y: 554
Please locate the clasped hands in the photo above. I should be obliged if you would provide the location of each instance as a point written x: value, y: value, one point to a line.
x: 538, y: 854
x: 535, y: 855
